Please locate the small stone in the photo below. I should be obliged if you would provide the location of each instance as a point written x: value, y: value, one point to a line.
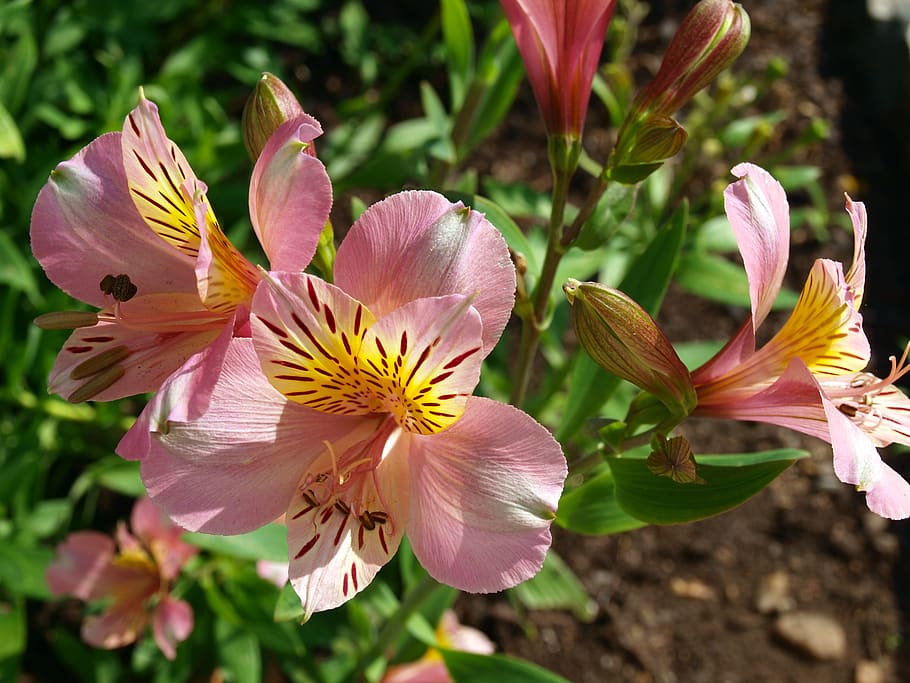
x: 691, y: 588
x: 868, y: 671
x: 773, y: 594
x: 814, y: 634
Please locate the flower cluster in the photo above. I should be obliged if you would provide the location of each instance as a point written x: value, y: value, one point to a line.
x: 134, y: 575
x: 347, y: 407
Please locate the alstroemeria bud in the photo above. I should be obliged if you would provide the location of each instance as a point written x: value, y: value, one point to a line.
x: 659, y: 138
x: 271, y: 104
x: 623, y: 339
x: 560, y: 43
x: 708, y: 40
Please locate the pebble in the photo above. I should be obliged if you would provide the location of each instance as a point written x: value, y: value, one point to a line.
x: 812, y: 633
x: 773, y: 594
x: 868, y: 671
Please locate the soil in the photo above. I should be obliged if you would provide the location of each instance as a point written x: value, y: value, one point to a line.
x: 699, y: 602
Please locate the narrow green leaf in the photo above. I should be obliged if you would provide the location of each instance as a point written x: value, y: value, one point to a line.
x: 12, y: 628
x: 466, y: 667
x: 267, y: 543
x: 458, y: 36
x: 288, y: 605
x: 592, y: 508
x: 646, y: 282
x: 556, y: 587
x: 730, y: 480
x: 15, y: 270
x: 11, y: 145
x: 22, y: 569
x: 500, y: 71
x: 717, y: 279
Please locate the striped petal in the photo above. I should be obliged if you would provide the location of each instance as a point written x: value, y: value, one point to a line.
x: 161, y: 183
x: 308, y: 334
x: 84, y: 227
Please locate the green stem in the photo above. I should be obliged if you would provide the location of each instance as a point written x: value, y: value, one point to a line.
x: 395, y: 625
x: 535, y: 323
x: 585, y: 212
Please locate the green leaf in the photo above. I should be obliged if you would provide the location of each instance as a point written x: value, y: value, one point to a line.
x: 556, y: 587
x: 22, y: 569
x: 12, y: 628
x: 730, y: 480
x: 459, y: 41
x: 112, y: 473
x: 267, y: 543
x: 613, y: 208
x: 15, y: 270
x: 288, y: 605
x: 239, y: 654
x: 646, y: 282
x: 592, y: 508
x: 465, y: 667
x: 714, y: 278
x: 48, y: 516
x: 11, y: 145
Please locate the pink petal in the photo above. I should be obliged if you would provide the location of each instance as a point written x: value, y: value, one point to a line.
x: 464, y: 638
x: 290, y: 196
x: 161, y: 183
x: 890, y: 496
x: 759, y: 215
x: 427, y: 354
x: 793, y: 401
x: 417, y: 244
x: 483, y: 495
x: 79, y: 563
x: 119, y: 625
x: 307, y: 334
x: 421, y: 671
x: 225, y: 279
x: 856, y: 276
x: 333, y: 555
x: 145, y: 357
x: 172, y: 624
x: 84, y: 226
x: 273, y: 572
x: 162, y: 537
x: 236, y: 467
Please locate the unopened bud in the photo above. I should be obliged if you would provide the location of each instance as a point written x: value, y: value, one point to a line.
x: 708, y: 40
x: 623, y: 339
x: 270, y: 105
x: 673, y: 458
x: 657, y: 139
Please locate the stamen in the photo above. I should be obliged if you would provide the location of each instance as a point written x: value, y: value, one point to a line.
x: 97, y: 384
x: 66, y: 320
x: 118, y: 286
x: 97, y: 363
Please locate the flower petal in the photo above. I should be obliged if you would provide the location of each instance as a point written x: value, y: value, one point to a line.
x: 84, y: 226
x: 890, y: 496
x: 334, y: 551
x: 483, y: 495
x: 758, y: 212
x: 119, y: 625
x: 172, y: 624
x: 856, y: 276
x: 161, y: 183
x: 161, y: 537
x: 308, y: 334
x: 423, y: 360
x: 290, y: 196
x: 236, y: 466
x: 225, y: 278
x: 79, y: 563
x: 417, y: 244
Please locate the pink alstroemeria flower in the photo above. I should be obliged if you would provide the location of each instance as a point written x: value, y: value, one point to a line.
x: 350, y: 410
x: 560, y: 43
x: 430, y: 668
x: 135, y: 576
x: 810, y: 375
x: 125, y: 226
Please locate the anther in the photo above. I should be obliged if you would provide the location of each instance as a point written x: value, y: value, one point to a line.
x: 100, y: 362
x: 97, y: 384
x: 118, y: 286
x: 342, y: 507
x: 66, y: 320
x: 379, y: 517
x: 366, y: 521
x: 310, y: 498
